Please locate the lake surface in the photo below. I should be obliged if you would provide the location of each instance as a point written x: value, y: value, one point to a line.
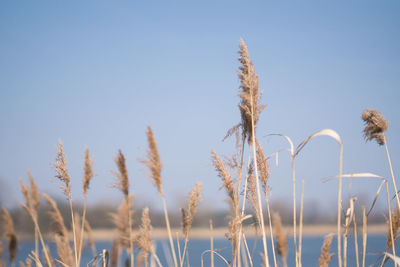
x: 310, y: 252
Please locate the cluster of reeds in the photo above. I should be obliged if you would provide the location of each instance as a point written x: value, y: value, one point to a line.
x: 245, y: 178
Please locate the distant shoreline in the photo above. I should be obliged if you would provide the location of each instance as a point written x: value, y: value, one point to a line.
x: 204, y: 233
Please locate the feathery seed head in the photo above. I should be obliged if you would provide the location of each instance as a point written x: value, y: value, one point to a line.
x: 122, y: 182
x: 61, y: 170
x: 153, y: 161
x: 326, y: 257
x: 375, y: 125
x: 34, y: 192
x: 10, y: 233
x: 87, y: 171
x: 226, y: 178
x: 281, y: 236
x: 250, y: 97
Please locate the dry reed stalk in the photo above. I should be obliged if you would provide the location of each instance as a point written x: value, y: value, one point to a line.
x: 90, y: 237
x: 331, y: 133
x: 144, y: 241
x: 326, y: 257
x: 88, y: 175
x: 356, y: 241
x: 301, y: 221
x: 281, y: 238
x: 122, y: 184
x: 252, y: 193
x: 390, y: 226
x: 375, y: 128
x: 364, y: 237
x: 227, y: 183
x: 194, y: 200
x: 10, y: 233
x: 349, y: 219
x: 35, y: 200
x: 37, y: 229
x: 270, y: 229
x: 61, y: 233
x: 78, y: 233
x: 211, y: 244
x: 153, y: 162
x: 61, y: 169
x: 393, y: 228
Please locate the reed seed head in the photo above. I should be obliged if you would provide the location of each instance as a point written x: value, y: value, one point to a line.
x: 263, y: 166
x: 193, y: 204
x: 122, y: 182
x: 87, y: 171
x: 225, y: 177
x: 121, y: 220
x: 61, y: 170
x: 395, y: 228
x: 34, y: 192
x: 10, y: 233
x: 153, y: 161
x: 250, y: 97
x: 325, y: 256
x: 375, y: 125
x: 281, y: 237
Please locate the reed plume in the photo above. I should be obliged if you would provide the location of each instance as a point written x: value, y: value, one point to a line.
x: 281, y: 238
x: 10, y: 233
x: 88, y: 174
x: 153, y: 162
x: 263, y: 166
x: 34, y: 193
x: 252, y: 192
x: 395, y: 226
x: 143, y: 239
x: 61, y: 233
x: 325, y: 256
x: 226, y: 178
x: 249, y: 93
x: 375, y: 125
x: 121, y: 221
x: 187, y: 219
x: 122, y: 182
x: 62, y: 171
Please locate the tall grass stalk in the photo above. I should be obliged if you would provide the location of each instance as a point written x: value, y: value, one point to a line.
x: 270, y: 229
x: 301, y: 221
x: 364, y: 236
x: 392, y: 174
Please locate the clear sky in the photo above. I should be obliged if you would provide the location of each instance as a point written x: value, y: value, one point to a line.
x: 95, y: 73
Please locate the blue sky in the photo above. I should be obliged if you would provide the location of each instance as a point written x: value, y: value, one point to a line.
x: 95, y: 73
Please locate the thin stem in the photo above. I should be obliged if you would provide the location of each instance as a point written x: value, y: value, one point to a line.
x: 181, y: 256
x: 301, y: 221
x: 171, y: 242
x: 211, y: 244
x: 82, y: 230
x: 270, y: 230
x: 356, y: 241
x: 339, y: 207
x: 391, y: 172
x: 294, y: 211
x: 247, y: 250
x: 238, y: 197
x: 364, y: 236
x: 390, y: 224
x: 73, y: 229
x: 130, y: 232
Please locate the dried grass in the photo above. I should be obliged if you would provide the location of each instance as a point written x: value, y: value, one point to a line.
x: 10, y: 233
x: 326, y: 257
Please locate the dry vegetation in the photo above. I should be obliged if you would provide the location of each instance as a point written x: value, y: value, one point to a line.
x: 244, y: 176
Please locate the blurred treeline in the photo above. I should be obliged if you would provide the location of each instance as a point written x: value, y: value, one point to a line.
x: 98, y: 215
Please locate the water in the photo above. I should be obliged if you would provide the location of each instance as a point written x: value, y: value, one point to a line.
x: 198, y: 247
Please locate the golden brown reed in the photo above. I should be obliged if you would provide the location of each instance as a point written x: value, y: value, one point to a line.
x: 34, y: 192
x: 88, y: 174
x: 281, y: 237
x: 395, y: 228
x: 61, y: 233
x: 122, y: 182
x: 250, y: 97
x: 193, y: 204
x: 226, y: 178
x: 325, y: 256
x: 10, y: 233
x: 263, y: 166
x: 61, y: 170
x: 121, y: 221
x: 375, y: 127
x: 153, y: 161
x: 252, y: 193
x: 78, y: 233
x: 143, y: 238
x: 27, y: 261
